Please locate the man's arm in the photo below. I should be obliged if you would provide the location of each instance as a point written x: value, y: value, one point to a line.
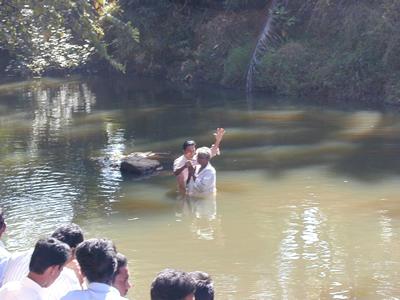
x: 218, y: 138
x: 179, y: 170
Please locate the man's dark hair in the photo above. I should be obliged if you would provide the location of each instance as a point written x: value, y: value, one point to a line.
x: 172, y: 285
x: 97, y: 258
x: 48, y: 252
x: 188, y: 143
x: 71, y: 234
x: 204, y: 286
x: 121, y: 262
x: 2, y: 221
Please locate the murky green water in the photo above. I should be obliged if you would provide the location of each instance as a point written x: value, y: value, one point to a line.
x: 308, y: 203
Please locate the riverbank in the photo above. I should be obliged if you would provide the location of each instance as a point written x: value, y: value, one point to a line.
x: 338, y: 52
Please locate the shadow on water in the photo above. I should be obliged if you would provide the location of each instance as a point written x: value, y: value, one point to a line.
x: 273, y: 134
x: 60, y: 125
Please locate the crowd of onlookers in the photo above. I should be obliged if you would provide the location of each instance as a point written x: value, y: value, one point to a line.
x: 67, y: 267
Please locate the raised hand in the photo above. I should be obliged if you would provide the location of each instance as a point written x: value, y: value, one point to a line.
x: 219, y: 134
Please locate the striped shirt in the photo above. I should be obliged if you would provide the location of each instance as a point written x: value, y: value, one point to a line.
x: 18, y: 266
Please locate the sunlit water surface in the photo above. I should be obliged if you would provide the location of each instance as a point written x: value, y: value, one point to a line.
x: 308, y: 197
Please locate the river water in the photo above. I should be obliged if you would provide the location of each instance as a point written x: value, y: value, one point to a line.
x: 308, y: 196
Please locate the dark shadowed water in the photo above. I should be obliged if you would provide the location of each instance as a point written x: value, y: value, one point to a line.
x: 308, y: 203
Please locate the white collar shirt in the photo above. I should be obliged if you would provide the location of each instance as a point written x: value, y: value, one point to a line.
x: 205, y: 183
x: 24, y: 289
x: 95, y: 291
x: 66, y: 282
x: 181, y: 161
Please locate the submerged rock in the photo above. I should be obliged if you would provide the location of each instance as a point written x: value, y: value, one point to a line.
x: 140, y: 164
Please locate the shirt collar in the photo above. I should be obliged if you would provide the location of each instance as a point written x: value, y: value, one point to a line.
x: 102, y: 288
x: 32, y: 285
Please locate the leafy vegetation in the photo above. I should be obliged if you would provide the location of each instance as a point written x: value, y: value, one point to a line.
x: 62, y: 34
x: 341, y: 49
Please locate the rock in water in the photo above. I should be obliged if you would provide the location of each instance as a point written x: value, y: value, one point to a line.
x: 139, y: 164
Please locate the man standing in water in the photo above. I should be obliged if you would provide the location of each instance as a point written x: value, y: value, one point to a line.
x: 189, y: 159
x: 202, y: 177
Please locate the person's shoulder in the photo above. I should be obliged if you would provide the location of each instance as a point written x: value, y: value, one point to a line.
x: 22, y: 255
x: 9, y: 287
x: 75, y: 295
x: 4, y: 254
x: 180, y: 158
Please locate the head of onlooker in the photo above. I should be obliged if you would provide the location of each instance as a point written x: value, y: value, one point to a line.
x: 47, y: 261
x: 189, y: 149
x: 121, y: 276
x: 204, y: 286
x: 71, y: 234
x: 171, y: 284
x: 97, y: 259
x: 3, y: 224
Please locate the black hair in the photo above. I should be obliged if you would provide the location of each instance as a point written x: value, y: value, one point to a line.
x: 48, y: 252
x: 71, y: 234
x: 2, y: 221
x: 171, y: 284
x: 188, y: 143
x: 121, y: 262
x: 204, y: 286
x: 97, y: 258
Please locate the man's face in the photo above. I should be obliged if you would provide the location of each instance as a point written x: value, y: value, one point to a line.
x: 121, y: 281
x: 202, y: 160
x: 190, y: 151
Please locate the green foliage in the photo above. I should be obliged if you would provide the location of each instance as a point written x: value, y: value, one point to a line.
x: 342, y: 49
x: 285, y: 70
x: 41, y: 35
x: 236, y: 65
x: 244, y: 4
x: 283, y: 18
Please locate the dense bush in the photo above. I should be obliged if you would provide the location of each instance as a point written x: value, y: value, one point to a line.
x: 342, y: 50
x: 287, y: 70
x: 236, y: 65
x: 62, y: 34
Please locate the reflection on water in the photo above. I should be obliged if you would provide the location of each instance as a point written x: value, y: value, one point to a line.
x: 203, y: 214
x: 307, y: 204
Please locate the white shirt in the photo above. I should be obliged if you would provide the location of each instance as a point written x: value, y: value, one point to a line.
x: 205, y: 183
x: 66, y: 282
x: 4, y: 257
x: 26, y: 289
x: 95, y: 291
x: 18, y: 266
x: 181, y: 161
